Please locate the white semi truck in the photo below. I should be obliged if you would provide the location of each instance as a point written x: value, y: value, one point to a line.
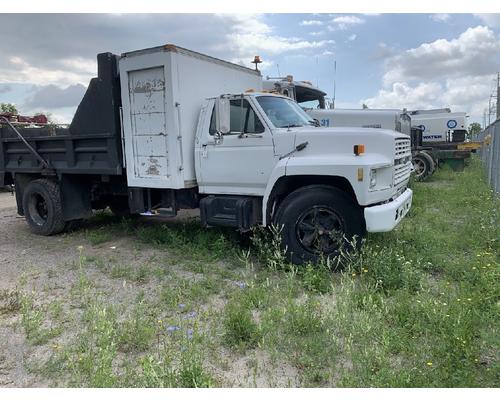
x: 428, y: 149
x: 166, y: 128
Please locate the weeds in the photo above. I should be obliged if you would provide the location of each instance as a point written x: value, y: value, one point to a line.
x: 240, y: 329
x: 99, y: 236
x: 32, y: 320
x: 10, y: 301
x: 137, y: 332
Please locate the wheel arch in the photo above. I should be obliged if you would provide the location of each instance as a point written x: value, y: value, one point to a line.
x: 289, y: 183
x: 21, y: 180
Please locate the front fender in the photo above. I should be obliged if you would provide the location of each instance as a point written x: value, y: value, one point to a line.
x: 344, y: 166
x: 278, y: 171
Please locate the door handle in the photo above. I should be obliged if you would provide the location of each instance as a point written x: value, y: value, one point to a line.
x: 250, y: 135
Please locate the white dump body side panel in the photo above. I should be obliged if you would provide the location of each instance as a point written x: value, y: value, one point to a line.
x: 162, y: 95
x: 195, y: 80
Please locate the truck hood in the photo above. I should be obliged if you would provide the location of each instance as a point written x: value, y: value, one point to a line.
x: 341, y: 141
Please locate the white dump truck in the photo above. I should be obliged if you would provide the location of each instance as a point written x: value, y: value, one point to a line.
x: 166, y: 128
x: 440, y: 125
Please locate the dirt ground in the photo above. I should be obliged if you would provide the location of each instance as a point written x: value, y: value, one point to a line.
x: 47, y: 267
x: 24, y: 256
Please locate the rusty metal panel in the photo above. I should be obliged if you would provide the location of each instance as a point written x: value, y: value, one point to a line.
x: 148, y: 122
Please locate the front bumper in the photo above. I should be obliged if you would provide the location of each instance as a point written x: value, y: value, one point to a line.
x: 385, y: 217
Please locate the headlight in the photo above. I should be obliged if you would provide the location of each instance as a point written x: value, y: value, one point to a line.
x: 373, y: 178
x: 381, y: 178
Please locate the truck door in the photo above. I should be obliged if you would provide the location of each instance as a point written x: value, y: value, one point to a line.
x: 146, y: 147
x: 239, y: 162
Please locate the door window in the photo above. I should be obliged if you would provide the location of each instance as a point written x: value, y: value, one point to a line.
x: 242, y: 118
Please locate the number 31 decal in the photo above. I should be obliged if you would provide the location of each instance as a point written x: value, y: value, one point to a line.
x: 325, y: 122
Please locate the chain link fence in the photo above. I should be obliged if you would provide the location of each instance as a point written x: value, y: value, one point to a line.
x: 490, y: 154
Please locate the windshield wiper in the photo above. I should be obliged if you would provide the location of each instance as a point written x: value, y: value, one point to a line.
x: 292, y: 126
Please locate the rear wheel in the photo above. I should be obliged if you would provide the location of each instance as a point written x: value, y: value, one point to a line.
x: 42, y: 207
x: 423, y: 165
x: 318, y: 220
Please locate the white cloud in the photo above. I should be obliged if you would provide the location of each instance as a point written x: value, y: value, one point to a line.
x: 382, y: 51
x: 18, y: 70
x: 253, y: 36
x: 352, y: 37
x: 311, y: 22
x: 492, y: 20
x: 344, y: 22
x: 52, y: 97
x: 454, y: 73
x: 440, y: 17
x: 327, y: 53
x: 402, y: 95
x: 474, y: 52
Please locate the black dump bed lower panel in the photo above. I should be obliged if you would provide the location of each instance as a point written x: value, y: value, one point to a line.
x: 90, y: 145
x: 69, y: 154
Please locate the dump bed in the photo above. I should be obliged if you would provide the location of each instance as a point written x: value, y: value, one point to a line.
x: 90, y: 145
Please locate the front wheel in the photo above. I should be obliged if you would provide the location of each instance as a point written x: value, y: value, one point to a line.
x: 319, y: 220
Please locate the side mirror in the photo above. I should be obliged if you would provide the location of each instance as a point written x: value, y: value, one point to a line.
x: 222, y: 115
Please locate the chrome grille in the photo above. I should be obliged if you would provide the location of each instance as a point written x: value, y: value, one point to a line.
x: 403, y: 148
x: 402, y: 160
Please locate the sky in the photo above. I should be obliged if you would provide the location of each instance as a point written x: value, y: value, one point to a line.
x: 413, y: 61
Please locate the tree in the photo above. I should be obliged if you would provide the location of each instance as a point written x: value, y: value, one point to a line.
x: 474, y: 130
x: 8, y: 108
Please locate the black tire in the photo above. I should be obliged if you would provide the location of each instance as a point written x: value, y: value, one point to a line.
x: 423, y: 165
x: 319, y: 220
x: 42, y: 207
x: 119, y: 207
x: 431, y: 161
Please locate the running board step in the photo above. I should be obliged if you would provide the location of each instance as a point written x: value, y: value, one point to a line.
x: 236, y: 211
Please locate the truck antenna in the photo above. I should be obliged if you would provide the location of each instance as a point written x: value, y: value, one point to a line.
x: 278, y: 67
x: 334, y: 82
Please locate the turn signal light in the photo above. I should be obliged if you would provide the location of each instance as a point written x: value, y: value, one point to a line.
x: 359, y: 149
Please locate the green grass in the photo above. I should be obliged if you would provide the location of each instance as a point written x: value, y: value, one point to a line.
x: 34, y: 323
x: 240, y: 329
x: 416, y: 307
x: 99, y: 236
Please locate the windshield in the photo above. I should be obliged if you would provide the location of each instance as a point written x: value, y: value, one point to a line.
x: 284, y: 113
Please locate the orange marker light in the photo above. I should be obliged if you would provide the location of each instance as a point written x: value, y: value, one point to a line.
x: 359, y: 149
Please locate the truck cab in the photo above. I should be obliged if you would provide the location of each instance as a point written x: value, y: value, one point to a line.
x: 319, y: 184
